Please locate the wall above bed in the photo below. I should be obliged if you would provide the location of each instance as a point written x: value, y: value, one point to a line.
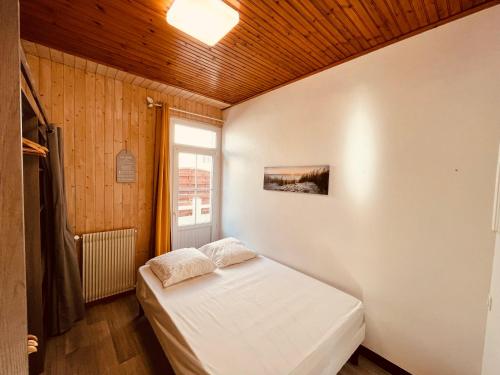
x: 411, y: 132
x: 101, y: 112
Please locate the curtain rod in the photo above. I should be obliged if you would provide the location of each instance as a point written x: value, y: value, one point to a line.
x: 195, y: 114
x: 151, y: 103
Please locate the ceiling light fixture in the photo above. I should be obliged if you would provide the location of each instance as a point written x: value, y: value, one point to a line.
x: 205, y: 20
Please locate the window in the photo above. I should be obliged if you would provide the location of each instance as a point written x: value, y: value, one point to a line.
x: 196, y: 137
x: 195, y: 188
x: 195, y: 160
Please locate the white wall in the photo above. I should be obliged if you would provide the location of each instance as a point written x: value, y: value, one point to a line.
x: 412, y: 134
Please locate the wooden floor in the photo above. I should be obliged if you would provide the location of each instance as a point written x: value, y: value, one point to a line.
x: 112, y: 339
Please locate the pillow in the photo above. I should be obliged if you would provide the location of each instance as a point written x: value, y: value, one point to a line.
x: 178, y: 265
x: 211, y: 248
x: 227, y: 251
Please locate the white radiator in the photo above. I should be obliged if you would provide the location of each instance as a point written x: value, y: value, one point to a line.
x: 108, y: 263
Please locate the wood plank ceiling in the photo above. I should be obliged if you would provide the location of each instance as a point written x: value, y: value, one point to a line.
x: 275, y: 42
x: 43, y: 52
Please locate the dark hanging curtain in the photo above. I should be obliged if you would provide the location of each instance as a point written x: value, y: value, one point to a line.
x: 63, y: 298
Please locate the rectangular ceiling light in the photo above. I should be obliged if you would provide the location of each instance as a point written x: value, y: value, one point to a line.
x: 205, y: 20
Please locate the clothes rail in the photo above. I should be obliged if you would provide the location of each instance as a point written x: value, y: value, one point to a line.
x: 25, y: 70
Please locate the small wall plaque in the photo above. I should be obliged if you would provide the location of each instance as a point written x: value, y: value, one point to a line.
x: 125, y: 167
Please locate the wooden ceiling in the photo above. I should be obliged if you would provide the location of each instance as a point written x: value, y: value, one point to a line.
x: 41, y: 51
x: 275, y: 42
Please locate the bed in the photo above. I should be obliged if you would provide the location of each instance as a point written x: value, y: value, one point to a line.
x: 258, y: 317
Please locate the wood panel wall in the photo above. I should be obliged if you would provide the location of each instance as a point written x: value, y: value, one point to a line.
x: 102, y: 115
x: 13, y: 319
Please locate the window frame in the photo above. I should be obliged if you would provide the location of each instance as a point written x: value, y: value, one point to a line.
x: 194, y: 124
x: 215, y: 153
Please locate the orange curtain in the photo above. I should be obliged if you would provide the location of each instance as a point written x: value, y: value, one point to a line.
x: 160, y: 237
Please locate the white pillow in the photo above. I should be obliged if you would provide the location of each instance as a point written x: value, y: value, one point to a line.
x: 178, y: 265
x: 227, y: 251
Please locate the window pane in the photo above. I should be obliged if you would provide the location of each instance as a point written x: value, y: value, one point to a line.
x: 186, y: 208
x: 203, y: 207
x: 187, y: 167
x: 189, y: 135
x: 195, y: 183
x: 203, y: 172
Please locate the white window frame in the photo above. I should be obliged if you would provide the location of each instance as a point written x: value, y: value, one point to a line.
x: 216, y: 154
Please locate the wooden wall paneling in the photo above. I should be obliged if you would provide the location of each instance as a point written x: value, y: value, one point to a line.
x: 81, y: 64
x: 145, y: 116
x: 109, y: 161
x: 43, y: 52
x: 101, y: 69
x: 57, y: 90
x: 120, y: 75
x: 136, y: 103
x: 69, y: 142
x: 79, y: 141
x: 100, y: 191
x: 149, y: 164
x: 29, y: 48
x: 117, y: 147
x: 45, y: 84
x: 90, y: 66
x: 68, y: 60
x: 146, y: 83
x: 13, y: 318
x: 128, y: 77
x: 126, y: 187
x: 55, y: 55
x: 90, y: 142
x: 138, y: 81
x: 100, y: 115
x: 111, y: 72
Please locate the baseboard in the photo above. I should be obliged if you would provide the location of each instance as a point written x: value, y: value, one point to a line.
x: 382, y: 362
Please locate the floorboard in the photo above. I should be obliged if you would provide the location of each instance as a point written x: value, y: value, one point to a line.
x: 112, y: 339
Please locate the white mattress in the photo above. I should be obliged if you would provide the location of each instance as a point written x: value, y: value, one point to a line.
x: 258, y: 317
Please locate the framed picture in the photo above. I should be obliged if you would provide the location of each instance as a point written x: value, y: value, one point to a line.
x: 309, y: 179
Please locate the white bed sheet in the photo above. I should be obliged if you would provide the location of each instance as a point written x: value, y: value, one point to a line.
x: 258, y: 317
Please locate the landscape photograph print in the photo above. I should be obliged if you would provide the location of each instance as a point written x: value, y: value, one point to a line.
x: 309, y: 179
